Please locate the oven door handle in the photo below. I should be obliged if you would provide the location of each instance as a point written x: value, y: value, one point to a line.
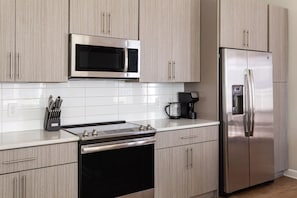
x: 116, y: 145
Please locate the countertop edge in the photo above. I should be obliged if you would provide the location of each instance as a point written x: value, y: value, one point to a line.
x: 187, y: 126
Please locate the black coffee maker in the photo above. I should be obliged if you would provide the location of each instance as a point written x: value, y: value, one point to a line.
x: 187, y: 100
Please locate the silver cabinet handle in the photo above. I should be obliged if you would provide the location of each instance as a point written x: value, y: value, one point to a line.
x: 19, y: 161
x: 244, y: 38
x: 103, y: 22
x: 248, y: 39
x: 187, y: 153
x: 109, y: 23
x: 23, y: 186
x: 189, y: 137
x: 18, y: 67
x: 169, y: 70
x: 173, y: 70
x: 15, y: 187
x: 191, y: 161
x: 10, y: 66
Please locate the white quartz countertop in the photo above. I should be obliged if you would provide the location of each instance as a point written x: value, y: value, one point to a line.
x: 13, y: 140
x: 176, y: 124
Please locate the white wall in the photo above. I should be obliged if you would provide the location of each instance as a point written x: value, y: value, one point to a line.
x: 23, y: 105
x: 292, y: 80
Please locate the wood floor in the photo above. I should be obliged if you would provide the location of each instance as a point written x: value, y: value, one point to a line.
x: 283, y: 187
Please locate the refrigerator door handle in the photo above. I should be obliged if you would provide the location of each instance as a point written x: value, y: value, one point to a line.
x: 252, y: 99
x: 247, y: 104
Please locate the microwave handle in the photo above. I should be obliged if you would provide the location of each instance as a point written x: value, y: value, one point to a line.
x: 126, y: 60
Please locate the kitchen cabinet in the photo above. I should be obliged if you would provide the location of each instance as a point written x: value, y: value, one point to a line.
x: 34, y: 40
x: 109, y: 18
x: 186, y: 163
x: 243, y: 24
x: 278, y: 42
x: 44, y: 171
x: 169, y: 31
x: 52, y: 182
x: 280, y: 96
x: 278, y: 45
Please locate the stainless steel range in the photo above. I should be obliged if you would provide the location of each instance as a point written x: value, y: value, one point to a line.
x: 116, y: 159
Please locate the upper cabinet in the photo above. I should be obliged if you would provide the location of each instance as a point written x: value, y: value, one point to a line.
x: 170, y: 40
x: 110, y: 18
x: 34, y: 36
x: 278, y: 42
x: 243, y: 24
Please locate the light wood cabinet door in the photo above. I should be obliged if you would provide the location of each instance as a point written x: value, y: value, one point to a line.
x: 41, y: 40
x: 52, y: 182
x: 278, y: 42
x: 233, y: 24
x: 186, y: 41
x: 9, y: 186
x: 170, y: 40
x: 171, y: 179
x: 122, y: 18
x: 243, y: 24
x: 109, y: 18
x: 257, y: 25
x: 280, y: 127
x: 203, y: 174
x: 7, y: 39
x: 155, y: 33
x: 88, y: 17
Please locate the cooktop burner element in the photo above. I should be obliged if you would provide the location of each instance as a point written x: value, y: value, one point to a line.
x: 108, y: 130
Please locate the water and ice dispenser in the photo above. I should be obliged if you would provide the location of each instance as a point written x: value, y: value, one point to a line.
x: 237, y: 99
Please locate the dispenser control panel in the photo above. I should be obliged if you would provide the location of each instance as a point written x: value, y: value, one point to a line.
x: 237, y: 99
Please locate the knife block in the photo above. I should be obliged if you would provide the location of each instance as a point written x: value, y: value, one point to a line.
x: 52, y: 120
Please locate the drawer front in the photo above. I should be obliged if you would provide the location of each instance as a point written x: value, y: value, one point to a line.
x: 186, y: 136
x: 36, y: 157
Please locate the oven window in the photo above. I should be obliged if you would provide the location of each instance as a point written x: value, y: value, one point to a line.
x: 98, y: 58
x: 119, y: 172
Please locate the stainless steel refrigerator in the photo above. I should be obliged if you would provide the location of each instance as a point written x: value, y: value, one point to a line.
x: 246, y: 116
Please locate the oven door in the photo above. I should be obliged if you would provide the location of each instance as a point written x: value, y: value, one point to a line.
x: 117, y: 169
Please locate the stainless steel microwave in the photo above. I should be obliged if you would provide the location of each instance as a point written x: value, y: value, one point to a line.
x: 103, y: 57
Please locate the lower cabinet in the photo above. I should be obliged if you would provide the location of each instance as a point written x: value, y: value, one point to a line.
x: 189, y: 170
x: 52, y: 182
x: 49, y: 171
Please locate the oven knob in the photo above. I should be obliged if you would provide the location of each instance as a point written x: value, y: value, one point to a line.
x: 95, y: 132
x: 85, y: 133
x: 141, y: 128
x: 149, y: 127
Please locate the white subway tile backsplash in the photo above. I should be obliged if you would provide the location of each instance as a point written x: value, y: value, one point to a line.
x: 97, y: 101
x: 37, y: 103
x: 133, y: 108
x: 73, y: 120
x: 133, y: 91
x: 73, y: 102
x: 66, y: 92
x: 101, y: 84
x: 23, y: 93
x: 133, y: 100
x: 23, y: 85
x: 22, y: 125
x: 69, y: 112
x: 102, y: 118
x: 101, y: 92
x: 84, y: 101
x: 101, y: 110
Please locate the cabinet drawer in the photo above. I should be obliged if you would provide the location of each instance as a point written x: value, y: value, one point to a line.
x: 36, y: 157
x: 186, y: 136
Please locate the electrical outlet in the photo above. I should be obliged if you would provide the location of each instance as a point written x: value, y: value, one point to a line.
x: 12, y: 109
